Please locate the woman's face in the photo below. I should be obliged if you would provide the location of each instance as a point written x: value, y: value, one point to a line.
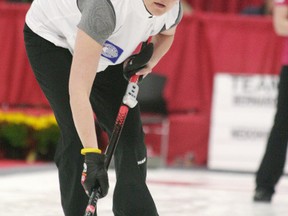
x: 159, y: 7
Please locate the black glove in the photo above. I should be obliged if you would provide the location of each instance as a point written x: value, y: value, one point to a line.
x: 138, y: 61
x: 94, y: 174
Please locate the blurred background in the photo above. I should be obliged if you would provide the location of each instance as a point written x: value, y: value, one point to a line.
x: 210, y: 102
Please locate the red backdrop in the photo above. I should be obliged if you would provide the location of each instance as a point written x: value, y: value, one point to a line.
x: 223, y: 6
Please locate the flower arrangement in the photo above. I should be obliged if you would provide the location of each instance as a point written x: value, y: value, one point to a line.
x: 28, y: 136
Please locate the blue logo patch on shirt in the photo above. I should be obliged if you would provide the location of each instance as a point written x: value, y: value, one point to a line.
x: 111, y: 51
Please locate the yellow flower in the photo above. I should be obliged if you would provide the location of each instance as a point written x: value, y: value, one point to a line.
x: 35, y: 122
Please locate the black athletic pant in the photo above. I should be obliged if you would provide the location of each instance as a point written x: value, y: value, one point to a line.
x: 273, y: 162
x: 51, y: 66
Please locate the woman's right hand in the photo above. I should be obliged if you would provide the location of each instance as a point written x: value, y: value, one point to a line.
x: 94, y: 175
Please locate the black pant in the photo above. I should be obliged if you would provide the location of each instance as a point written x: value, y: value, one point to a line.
x: 51, y: 66
x: 273, y: 162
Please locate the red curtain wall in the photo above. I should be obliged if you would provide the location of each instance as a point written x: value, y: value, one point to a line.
x: 226, y: 6
x: 209, y: 43
x: 17, y: 83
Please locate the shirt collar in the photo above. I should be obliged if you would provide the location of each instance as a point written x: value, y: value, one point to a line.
x: 141, y: 9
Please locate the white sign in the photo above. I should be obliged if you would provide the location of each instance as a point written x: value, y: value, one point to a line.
x: 243, y: 111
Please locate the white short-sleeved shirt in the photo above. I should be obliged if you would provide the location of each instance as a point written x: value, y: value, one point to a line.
x: 120, y: 26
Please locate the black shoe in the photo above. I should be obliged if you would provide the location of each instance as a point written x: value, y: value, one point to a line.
x: 262, y: 195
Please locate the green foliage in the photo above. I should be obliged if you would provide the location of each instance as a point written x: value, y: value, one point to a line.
x: 15, y: 134
x: 46, y: 138
x: 22, y: 139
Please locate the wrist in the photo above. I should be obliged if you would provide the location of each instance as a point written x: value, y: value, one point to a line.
x: 90, y: 150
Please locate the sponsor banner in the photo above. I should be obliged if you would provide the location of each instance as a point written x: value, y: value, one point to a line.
x: 243, y: 110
